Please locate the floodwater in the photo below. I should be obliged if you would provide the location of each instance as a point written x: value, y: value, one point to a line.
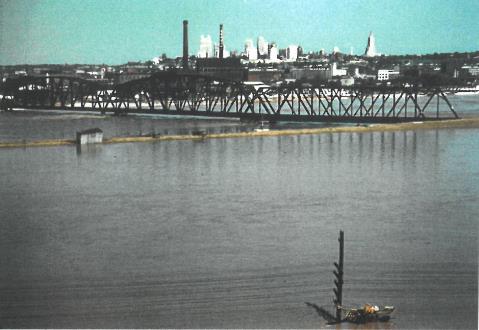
x: 238, y: 233
x: 48, y: 124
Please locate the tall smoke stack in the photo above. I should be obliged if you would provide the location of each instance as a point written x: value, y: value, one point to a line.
x: 185, y: 44
x: 221, y: 41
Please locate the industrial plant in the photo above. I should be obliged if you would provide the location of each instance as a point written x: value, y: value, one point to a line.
x: 269, y: 63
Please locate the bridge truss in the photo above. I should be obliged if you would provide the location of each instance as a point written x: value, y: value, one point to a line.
x: 181, y: 93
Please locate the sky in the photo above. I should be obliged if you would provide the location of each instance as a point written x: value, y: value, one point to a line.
x: 118, y: 31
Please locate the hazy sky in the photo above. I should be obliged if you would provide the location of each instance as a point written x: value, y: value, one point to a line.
x: 117, y: 31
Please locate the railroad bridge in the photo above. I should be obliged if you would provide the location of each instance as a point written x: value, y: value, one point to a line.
x: 185, y: 93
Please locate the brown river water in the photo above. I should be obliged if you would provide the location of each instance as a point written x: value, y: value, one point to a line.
x: 235, y: 233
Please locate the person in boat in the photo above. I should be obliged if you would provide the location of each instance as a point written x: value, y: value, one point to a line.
x: 369, y: 309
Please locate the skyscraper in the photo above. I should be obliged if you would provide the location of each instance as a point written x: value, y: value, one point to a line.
x: 250, y: 50
x: 262, y: 47
x: 300, y: 51
x: 273, y: 52
x: 206, y: 47
x: 292, y: 53
x: 371, y: 47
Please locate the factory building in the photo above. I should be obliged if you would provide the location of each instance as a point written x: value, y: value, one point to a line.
x: 208, y: 49
x: 317, y: 74
x: 225, y: 68
x: 184, y: 60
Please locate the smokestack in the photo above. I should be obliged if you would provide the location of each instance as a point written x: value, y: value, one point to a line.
x: 221, y: 41
x: 185, y: 44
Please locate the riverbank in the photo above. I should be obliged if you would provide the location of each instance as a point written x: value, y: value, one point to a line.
x: 456, y: 123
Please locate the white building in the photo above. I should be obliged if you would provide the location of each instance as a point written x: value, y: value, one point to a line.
x: 371, y: 47
x: 292, y: 53
x: 273, y: 53
x: 336, y: 50
x: 473, y: 70
x: 335, y: 72
x: 262, y: 46
x: 384, y: 75
x: 347, y: 81
x: 206, y: 47
x: 250, y: 50
x: 94, y: 135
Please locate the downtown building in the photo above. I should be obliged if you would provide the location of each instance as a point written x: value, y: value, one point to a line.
x: 292, y: 53
x: 371, y: 46
x: 262, y: 45
x: 273, y: 52
x: 206, y: 47
x: 250, y: 51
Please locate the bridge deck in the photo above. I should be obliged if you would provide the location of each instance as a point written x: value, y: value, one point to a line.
x: 190, y: 94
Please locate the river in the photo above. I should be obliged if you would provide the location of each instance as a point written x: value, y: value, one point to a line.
x: 235, y: 233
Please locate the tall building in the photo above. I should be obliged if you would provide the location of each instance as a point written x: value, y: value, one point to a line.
x: 273, y: 52
x: 300, y: 51
x: 206, y: 47
x: 371, y: 47
x: 262, y: 47
x: 250, y: 50
x: 292, y: 53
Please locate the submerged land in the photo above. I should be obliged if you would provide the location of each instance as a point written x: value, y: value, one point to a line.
x: 437, y: 124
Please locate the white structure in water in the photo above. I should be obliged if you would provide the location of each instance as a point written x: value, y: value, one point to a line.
x: 371, y: 47
x: 206, y: 47
x: 94, y: 135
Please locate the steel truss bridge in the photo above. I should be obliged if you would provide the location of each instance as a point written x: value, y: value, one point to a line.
x: 183, y: 93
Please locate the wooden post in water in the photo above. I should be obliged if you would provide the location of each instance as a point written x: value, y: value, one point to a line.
x: 338, y: 273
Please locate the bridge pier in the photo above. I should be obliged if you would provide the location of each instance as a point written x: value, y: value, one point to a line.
x: 338, y: 273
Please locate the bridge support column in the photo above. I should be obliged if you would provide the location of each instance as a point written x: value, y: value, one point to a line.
x: 338, y: 273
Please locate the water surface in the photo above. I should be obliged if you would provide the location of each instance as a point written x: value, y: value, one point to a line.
x: 240, y: 232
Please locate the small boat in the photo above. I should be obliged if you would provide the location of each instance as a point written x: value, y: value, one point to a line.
x: 368, y: 313
x: 263, y: 126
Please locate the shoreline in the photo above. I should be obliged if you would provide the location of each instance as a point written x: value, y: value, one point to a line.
x: 442, y: 124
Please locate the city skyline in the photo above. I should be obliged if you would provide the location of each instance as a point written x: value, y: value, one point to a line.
x: 114, y: 32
